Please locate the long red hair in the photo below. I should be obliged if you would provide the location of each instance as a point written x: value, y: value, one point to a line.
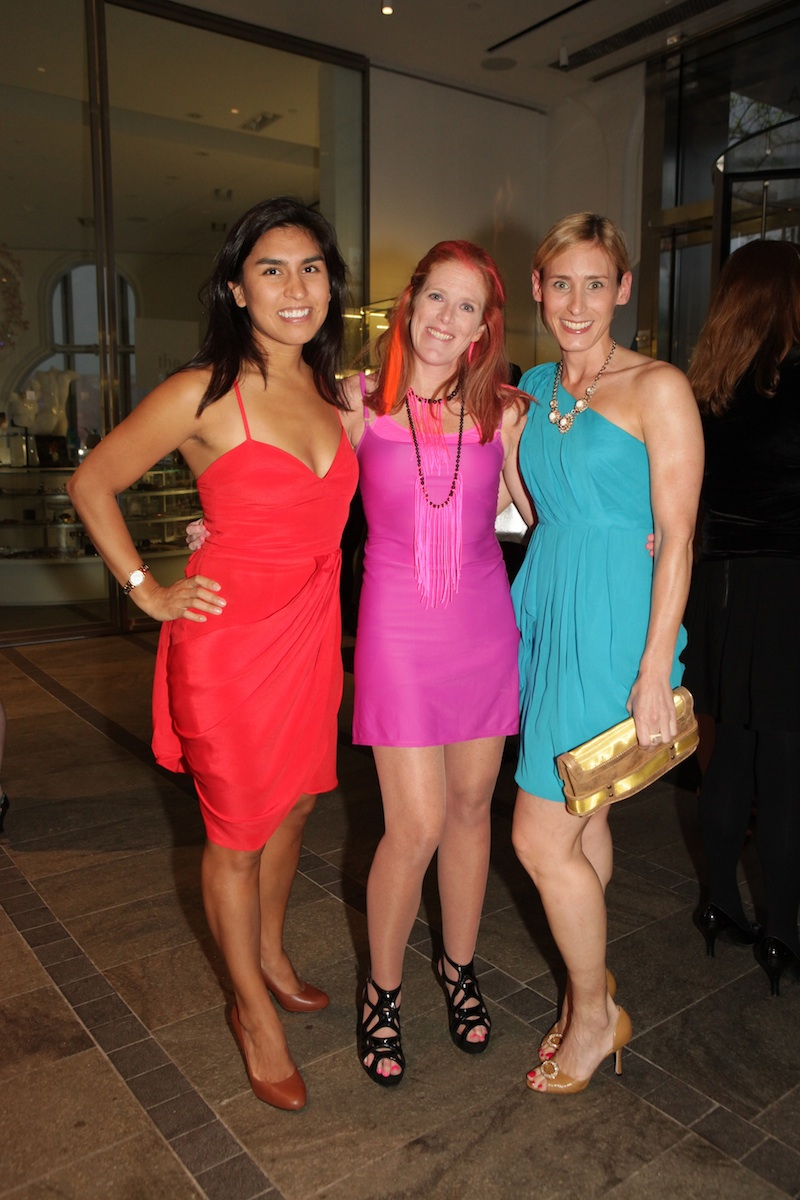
x: 753, y: 322
x: 482, y: 372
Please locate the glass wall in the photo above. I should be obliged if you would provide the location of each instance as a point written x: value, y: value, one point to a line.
x: 131, y: 141
x: 722, y: 140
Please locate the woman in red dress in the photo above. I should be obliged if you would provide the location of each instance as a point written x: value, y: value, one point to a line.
x: 249, y: 673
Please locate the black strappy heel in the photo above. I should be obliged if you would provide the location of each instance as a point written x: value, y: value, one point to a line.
x: 465, y: 1006
x: 383, y: 1014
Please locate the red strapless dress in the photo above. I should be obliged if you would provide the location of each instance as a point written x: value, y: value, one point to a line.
x: 247, y: 702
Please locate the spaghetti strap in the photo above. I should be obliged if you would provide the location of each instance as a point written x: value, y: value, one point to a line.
x: 241, y: 409
x: 362, y: 383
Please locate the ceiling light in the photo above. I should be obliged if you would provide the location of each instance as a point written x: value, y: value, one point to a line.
x: 387, y: 10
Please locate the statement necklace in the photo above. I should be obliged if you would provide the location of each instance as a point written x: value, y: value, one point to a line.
x: 434, y: 399
x: 449, y: 497
x: 563, y: 421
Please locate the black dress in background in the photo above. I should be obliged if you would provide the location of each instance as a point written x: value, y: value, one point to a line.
x: 743, y: 616
x: 743, y: 662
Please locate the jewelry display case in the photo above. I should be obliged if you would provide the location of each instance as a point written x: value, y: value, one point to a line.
x: 46, y: 556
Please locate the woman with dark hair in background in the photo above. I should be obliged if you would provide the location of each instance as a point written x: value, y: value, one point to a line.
x: 249, y: 672
x: 744, y: 636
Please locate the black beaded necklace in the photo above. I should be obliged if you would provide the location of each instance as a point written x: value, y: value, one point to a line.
x: 450, y: 494
x: 434, y: 399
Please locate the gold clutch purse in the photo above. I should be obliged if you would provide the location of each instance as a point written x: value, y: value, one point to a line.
x: 613, y: 765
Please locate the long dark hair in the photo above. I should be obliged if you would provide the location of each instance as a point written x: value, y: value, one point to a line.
x: 229, y: 340
x: 753, y: 322
x: 482, y: 373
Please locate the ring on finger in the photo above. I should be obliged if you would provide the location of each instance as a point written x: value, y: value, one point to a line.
x: 655, y: 738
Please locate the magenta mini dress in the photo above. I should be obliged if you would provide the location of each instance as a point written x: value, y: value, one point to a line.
x: 436, y: 652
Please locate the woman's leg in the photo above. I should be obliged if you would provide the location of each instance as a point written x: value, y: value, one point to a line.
x: 548, y: 842
x: 279, y: 860
x: 231, y: 896
x: 599, y: 850
x: 471, y: 770
x: 778, y: 832
x: 412, y: 782
x: 726, y: 801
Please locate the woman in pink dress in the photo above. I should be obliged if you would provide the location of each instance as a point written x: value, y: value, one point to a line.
x: 436, y: 684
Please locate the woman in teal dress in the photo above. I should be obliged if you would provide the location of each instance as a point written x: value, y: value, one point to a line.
x: 612, y: 451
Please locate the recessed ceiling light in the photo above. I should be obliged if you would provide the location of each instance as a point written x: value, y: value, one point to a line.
x: 235, y: 111
x: 387, y: 10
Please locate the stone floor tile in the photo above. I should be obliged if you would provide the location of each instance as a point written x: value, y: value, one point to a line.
x: 776, y: 1163
x: 166, y: 986
x: 512, y: 1144
x: 22, y: 971
x: 128, y: 877
x: 87, y: 1109
x: 141, y: 927
x: 782, y: 1119
x: 141, y: 1167
x: 181, y: 1114
x: 706, y: 1040
x: 239, y: 1177
x: 156, y: 1086
x: 206, y: 1147
x: 138, y: 1058
x: 37, y: 1028
x: 728, y: 1132
x: 694, y: 1170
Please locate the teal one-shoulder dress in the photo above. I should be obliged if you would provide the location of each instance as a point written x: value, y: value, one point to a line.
x: 582, y: 596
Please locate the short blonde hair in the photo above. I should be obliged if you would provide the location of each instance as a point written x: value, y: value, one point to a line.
x: 580, y: 228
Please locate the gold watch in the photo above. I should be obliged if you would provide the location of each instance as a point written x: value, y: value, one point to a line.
x: 134, y: 579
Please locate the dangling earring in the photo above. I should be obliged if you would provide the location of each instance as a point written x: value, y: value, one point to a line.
x: 470, y: 352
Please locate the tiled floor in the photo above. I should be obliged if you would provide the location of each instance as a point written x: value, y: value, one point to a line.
x: 119, y: 1076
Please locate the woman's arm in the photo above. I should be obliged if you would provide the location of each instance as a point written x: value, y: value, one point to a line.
x: 673, y: 437
x: 511, y: 431
x: 164, y: 421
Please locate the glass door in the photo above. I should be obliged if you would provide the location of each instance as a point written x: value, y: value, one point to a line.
x: 130, y: 143
x: 49, y: 341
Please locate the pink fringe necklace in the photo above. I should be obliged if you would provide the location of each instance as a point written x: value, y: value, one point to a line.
x: 437, y: 525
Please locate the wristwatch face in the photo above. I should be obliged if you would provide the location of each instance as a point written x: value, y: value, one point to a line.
x: 135, y: 578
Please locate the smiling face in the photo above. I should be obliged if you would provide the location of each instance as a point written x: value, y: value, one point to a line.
x: 578, y: 292
x: 284, y: 287
x: 448, y: 314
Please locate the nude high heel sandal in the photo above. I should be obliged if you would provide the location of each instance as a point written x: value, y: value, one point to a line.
x: 558, y: 1083
x: 553, y: 1038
